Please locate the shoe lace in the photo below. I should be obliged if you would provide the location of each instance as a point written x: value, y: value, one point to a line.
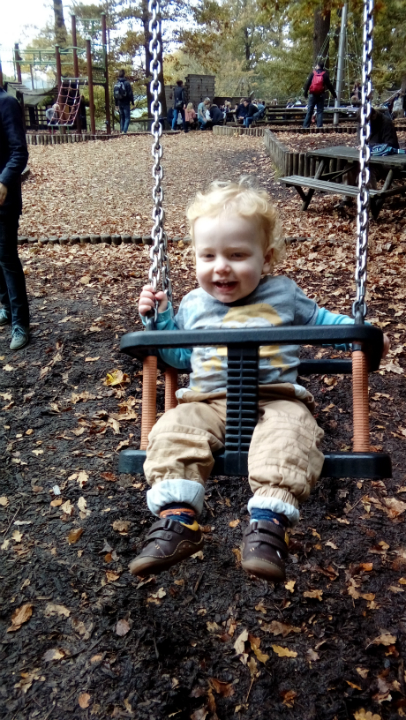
x: 19, y: 331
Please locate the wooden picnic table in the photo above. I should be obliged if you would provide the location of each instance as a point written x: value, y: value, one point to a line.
x: 393, y: 165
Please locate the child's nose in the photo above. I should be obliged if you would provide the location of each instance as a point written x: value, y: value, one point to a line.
x: 221, y: 264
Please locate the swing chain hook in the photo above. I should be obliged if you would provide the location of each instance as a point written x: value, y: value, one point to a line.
x: 159, y: 269
x: 359, y: 308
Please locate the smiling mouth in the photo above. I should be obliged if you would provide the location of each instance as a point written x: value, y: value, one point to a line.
x: 225, y: 285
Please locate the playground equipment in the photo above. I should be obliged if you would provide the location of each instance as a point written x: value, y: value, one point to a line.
x: 243, y: 346
x: 68, y: 98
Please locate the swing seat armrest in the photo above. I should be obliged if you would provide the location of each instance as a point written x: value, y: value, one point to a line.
x: 141, y: 344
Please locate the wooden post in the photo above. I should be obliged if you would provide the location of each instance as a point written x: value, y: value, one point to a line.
x: 76, y: 66
x: 75, y: 44
x: 17, y: 62
x: 106, y: 73
x: 90, y: 82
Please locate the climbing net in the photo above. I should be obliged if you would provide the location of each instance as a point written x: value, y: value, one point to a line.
x: 65, y: 110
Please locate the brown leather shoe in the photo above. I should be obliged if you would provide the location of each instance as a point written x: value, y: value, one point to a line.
x: 167, y: 543
x: 264, y: 550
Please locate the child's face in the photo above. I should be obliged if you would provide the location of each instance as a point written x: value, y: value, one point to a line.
x: 229, y: 256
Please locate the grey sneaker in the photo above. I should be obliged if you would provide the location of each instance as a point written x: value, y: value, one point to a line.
x: 5, y: 317
x: 20, y: 337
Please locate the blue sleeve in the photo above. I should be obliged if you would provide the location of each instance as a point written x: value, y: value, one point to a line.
x: 325, y: 317
x: 175, y: 357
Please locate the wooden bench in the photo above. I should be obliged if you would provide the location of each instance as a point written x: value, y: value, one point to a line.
x: 394, y: 166
x: 377, y: 197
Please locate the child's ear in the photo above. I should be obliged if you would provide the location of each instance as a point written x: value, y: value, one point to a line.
x: 268, y: 257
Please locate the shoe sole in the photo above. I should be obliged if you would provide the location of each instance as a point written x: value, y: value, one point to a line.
x: 265, y: 570
x: 150, y: 565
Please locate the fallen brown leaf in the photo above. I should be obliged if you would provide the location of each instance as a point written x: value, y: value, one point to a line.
x: 20, y: 616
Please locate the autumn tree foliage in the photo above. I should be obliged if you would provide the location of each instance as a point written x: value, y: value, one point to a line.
x: 263, y: 46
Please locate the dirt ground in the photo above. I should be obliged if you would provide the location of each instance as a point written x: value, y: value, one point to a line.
x: 79, y: 636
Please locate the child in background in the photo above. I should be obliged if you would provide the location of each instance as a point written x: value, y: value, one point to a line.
x: 190, y: 116
x: 237, y: 244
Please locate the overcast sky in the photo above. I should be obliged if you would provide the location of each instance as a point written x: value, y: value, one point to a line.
x: 20, y: 20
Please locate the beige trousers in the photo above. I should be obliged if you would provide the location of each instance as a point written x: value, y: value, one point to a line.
x: 284, y: 461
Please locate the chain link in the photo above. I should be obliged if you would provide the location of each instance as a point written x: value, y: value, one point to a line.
x: 159, y: 269
x: 359, y: 307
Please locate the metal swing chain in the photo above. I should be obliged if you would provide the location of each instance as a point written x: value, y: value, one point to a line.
x: 359, y: 308
x: 158, y: 254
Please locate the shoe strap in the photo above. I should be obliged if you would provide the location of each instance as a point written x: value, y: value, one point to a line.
x: 269, y: 533
x: 167, y: 527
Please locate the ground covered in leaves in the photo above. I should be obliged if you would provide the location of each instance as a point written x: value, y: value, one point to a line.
x: 79, y: 636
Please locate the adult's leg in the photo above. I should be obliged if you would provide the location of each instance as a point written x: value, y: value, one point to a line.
x: 127, y: 117
x: 13, y: 294
x: 320, y: 110
x: 175, y: 119
x: 121, y: 111
x: 310, y: 107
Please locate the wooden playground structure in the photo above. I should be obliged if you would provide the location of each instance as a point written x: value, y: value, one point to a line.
x: 69, y: 94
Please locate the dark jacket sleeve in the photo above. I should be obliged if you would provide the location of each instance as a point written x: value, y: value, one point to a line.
x: 307, y: 84
x: 383, y: 131
x: 327, y: 83
x: 12, y: 137
x: 129, y: 90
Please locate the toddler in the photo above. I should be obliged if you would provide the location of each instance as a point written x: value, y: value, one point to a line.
x: 237, y: 244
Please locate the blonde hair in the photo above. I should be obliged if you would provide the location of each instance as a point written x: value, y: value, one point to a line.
x: 242, y: 199
x: 189, y: 106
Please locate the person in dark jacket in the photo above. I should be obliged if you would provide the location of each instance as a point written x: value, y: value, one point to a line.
x: 13, y: 159
x: 316, y: 85
x: 123, y: 96
x: 179, y: 105
x: 217, y: 117
x: 241, y: 112
x: 251, y: 110
x: 383, y: 131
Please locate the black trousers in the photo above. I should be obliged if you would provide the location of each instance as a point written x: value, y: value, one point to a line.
x: 13, y: 294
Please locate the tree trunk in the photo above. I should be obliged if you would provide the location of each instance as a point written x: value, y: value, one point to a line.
x: 148, y: 56
x: 61, y: 36
x: 162, y: 98
x: 321, y: 30
x: 247, y: 48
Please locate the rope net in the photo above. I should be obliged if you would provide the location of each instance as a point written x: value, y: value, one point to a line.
x: 65, y: 110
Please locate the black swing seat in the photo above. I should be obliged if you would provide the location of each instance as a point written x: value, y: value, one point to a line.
x: 242, y: 387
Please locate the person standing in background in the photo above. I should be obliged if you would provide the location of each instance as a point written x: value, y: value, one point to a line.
x: 179, y: 105
x: 13, y: 160
x: 123, y: 96
x: 316, y: 85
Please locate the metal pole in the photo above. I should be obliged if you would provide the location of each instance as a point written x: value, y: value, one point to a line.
x: 340, y: 66
x: 58, y: 66
x: 75, y: 44
x: 32, y: 78
x: 90, y: 83
x: 106, y: 73
x: 17, y: 61
x: 1, y: 75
